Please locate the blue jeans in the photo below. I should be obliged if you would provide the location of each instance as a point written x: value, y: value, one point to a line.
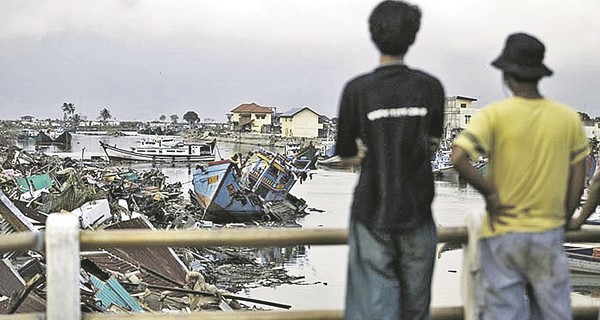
x: 389, y: 273
x: 526, y: 276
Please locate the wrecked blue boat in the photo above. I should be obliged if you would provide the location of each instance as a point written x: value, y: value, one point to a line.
x: 230, y: 192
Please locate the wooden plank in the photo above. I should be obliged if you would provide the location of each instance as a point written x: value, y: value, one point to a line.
x: 14, y: 216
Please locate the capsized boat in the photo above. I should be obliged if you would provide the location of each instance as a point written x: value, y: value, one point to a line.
x: 257, y: 190
x: 203, y: 152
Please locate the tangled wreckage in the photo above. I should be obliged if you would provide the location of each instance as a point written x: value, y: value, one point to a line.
x: 35, y: 185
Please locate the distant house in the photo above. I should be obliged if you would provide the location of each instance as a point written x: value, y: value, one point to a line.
x: 458, y: 113
x: 252, y: 117
x: 300, y: 122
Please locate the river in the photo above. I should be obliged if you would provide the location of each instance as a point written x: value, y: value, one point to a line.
x: 324, y: 267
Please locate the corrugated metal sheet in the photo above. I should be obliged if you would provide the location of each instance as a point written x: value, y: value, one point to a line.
x: 162, y: 262
x: 108, y: 261
x: 112, y: 292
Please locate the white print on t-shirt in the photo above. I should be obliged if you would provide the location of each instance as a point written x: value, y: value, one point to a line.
x: 397, y: 113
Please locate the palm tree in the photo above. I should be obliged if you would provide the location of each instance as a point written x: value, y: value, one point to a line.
x: 68, y: 109
x: 105, y: 115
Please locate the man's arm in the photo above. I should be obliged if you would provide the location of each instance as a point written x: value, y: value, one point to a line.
x: 574, y: 190
x: 495, y: 209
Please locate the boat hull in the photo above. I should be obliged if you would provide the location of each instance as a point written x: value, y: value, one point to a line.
x: 261, y: 191
x: 161, y: 155
x: 583, y: 260
x: 219, y: 192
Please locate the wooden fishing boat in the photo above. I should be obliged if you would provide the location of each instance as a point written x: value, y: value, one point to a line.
x: 329, y: 159
x: 302, y: 157
x: 219, y: 191
x: 258, y: 190
x: 177, y: 153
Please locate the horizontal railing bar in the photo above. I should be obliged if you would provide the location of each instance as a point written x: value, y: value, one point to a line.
x: 216, y: 315
x: 20, y: 241
x: 261, y: 237
x: 437, y: 313
x: 23, y: 316
x: 212, y: 238
x: 233, y: 237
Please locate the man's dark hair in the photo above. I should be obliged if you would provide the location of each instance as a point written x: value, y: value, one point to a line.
x: 394, y: 26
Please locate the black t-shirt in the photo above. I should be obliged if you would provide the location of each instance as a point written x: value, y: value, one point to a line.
x: 394, y: 110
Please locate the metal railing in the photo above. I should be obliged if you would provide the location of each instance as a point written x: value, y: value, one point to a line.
x: 63, y: 240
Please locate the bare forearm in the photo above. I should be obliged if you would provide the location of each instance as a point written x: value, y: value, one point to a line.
x: 590, y: 204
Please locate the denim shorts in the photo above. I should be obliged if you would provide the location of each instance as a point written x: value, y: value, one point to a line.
x: 526, y: 276
x: 389, y: 273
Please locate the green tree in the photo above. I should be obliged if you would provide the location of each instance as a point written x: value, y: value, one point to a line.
x: 104, y: 115
x: 191, y: 117
x: 174, y: 118
x: 162, y: 117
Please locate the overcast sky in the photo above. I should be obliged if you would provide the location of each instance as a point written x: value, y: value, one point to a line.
x: 142, y: 59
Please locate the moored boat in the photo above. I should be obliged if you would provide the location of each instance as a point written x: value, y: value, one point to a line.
x: 583, y: 259
x: 442, y: 165
x: 329, y: 159
x: 302, y: 157
x: 204, y: 152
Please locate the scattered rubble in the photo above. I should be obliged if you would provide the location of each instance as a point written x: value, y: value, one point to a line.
x: 103, y: 196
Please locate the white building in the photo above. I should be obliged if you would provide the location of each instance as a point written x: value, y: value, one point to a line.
x: 458, y: 113
x: 300, y: 122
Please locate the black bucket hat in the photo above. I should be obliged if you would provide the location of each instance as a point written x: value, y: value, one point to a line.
x: 523, y: 57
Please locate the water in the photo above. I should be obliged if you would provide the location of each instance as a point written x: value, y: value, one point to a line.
x: 324, y: 267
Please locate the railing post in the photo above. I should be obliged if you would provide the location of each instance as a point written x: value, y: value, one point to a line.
x: 62, y: 256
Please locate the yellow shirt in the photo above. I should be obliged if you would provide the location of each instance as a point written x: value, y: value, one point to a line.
x: 531, y: 144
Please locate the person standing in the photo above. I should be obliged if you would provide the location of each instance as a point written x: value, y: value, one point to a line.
x: 389, y: 122
x: 536, y: 148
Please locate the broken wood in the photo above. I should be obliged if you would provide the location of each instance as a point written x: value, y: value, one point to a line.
x: 207, y: 294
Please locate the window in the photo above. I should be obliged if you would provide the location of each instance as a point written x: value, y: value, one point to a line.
x: 463, y: 105
x: 467, y: 119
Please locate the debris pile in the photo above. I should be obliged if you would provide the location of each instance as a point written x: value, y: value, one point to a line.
x: 35, y: 185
